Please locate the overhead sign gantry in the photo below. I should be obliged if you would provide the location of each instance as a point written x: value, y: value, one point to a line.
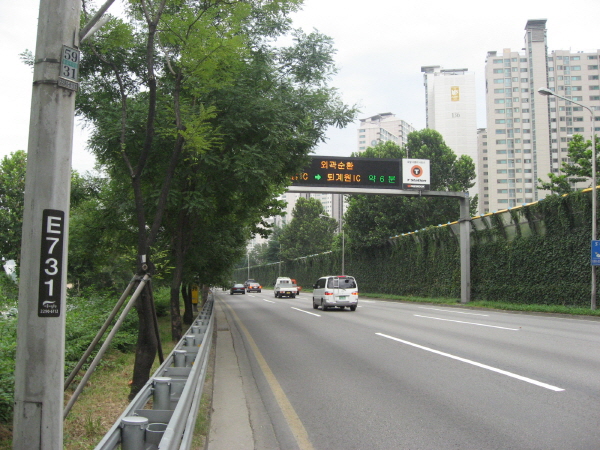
x: 407, y: 177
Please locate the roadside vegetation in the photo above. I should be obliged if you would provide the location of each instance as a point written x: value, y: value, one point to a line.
x: 517, y: 307
x: 106, y: 395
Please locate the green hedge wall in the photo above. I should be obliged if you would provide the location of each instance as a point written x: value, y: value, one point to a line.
x: 534, y: 254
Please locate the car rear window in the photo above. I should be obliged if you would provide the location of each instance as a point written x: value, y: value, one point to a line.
x: 341, y: 283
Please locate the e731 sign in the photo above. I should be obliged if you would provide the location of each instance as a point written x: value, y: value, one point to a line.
x: 51, y: 263
x: 332, y: 171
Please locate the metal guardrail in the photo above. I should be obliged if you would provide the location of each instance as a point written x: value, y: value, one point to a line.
x: 167, y: 422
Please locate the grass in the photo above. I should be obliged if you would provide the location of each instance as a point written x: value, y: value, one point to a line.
x: 551, y: 309
x: 101, y: 403
x: 106, y: 396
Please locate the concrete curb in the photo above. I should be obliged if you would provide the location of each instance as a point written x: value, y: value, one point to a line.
x: 230, y: 420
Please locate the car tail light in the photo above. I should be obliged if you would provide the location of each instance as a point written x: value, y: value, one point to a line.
x: 328, y: 293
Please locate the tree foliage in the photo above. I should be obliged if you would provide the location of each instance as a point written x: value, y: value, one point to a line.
x: 577, y: 169
x: 202, y: 121
x: 12, y: 189
x: 308, y: 232
x: 371, y: 220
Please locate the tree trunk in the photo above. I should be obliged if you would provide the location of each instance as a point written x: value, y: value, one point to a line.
x: 175, y: 312
x: 188, y: 314
x: 147, y: 342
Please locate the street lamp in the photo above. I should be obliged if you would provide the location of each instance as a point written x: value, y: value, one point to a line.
x: 548, y: 92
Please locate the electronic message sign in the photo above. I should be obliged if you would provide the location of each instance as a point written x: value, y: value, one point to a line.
x: 332, y: 171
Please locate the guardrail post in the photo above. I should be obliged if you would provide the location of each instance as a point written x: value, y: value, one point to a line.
x: 179, y: 358
x: 155, y: 432
x: 189, y: 340
x: 133, y: 432
x: 162, y: 393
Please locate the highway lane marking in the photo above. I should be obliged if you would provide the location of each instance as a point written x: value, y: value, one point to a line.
x: 456, y: 312
x: 307, y: 312
x: 468, y: 323
x: 474, y: 363
x: 270, y: 301
x: 291, y: 417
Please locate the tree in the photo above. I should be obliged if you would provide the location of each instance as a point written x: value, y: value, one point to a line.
x: 12, y: 189
x: 192, y: 108
x: 371, y: 220
x: 308, y: 232
x: 577, y: 169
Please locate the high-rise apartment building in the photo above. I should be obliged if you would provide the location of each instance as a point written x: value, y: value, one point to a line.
x: 451, y: 110
x: 527, y: 133
x: 382, y: 128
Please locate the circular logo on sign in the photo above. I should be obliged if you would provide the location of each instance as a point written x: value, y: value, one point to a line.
x: 416, y: 171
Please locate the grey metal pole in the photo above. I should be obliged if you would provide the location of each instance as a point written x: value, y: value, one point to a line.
x: 343, y: 253
x: 39, y: 371
x: 99, y: 335
x: 594, y: 205
x: 105, y: 345
x: 465, y: 250
x: 549, y: 92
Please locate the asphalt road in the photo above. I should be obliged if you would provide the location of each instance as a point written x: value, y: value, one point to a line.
x: 414, y: 376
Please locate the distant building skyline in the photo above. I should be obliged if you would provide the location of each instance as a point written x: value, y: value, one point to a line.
x: 380, y: 128
x: 450, y: 109
x: 527, y: 133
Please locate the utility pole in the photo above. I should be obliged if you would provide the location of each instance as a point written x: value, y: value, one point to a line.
x: 39, y: 373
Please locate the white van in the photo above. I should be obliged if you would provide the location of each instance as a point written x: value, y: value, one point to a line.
x: 335, y: 290
x: 283, y: 280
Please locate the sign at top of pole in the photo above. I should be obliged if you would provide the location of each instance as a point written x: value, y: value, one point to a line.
x: 416, y: 174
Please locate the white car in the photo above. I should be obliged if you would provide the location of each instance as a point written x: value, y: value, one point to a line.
x: 335, y: 291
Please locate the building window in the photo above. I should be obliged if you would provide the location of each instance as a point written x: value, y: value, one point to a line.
x: 592, y: 77
x: 594, y: 97
x: 499, y: 111
x: 501, y: 161
x: 500, y: 141
x: 501, y: 171
x: 527, y: 161
x: 594, y: 67
x: 594, y: 88
x: 592, y: 57
x: 499, y: 100
x: 500, y: 131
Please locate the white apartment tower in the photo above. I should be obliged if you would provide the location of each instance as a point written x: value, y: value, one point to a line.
x: 527, y: 133
x: 382, y: 128
x: 451, y: 110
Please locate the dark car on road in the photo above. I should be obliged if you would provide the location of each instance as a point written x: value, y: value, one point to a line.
x: 237, y: 288
x: 253, y: 286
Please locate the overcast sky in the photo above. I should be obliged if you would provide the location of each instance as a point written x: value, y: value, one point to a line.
x: 381, y: 44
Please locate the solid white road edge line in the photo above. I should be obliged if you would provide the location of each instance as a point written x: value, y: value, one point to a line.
x: 468, y: 323
x: 307, y: 312
x: 474, y: 363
